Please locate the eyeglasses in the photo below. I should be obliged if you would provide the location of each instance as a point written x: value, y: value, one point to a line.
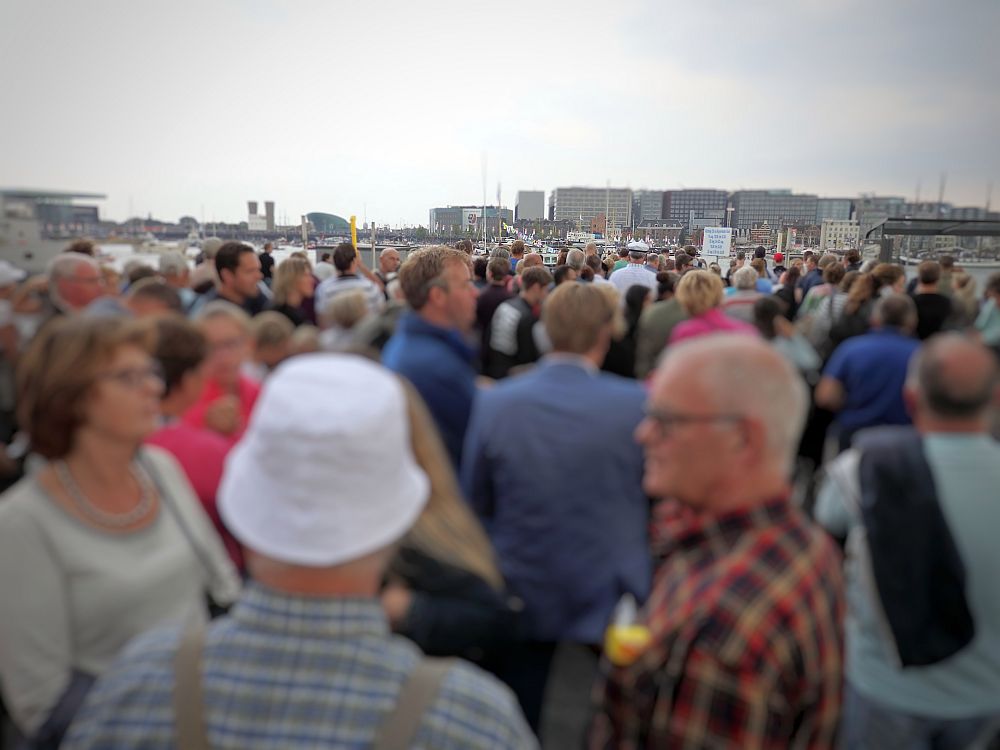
x: 135, y: 377
x: 667, y: 421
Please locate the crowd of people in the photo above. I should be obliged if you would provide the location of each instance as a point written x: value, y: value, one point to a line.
x: 287, y: 504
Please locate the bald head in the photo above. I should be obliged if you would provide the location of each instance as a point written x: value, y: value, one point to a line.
x: 531, y: 259
x: 952, y: 378
x: 728, y: 413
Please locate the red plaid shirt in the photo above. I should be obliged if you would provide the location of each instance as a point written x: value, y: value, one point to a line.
x: 746, y: 619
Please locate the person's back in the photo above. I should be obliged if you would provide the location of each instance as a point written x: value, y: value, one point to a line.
x: 933, y: 312
x: 966, y: 470
x: 655, y: 326
x: 563, y: 506
x: 340, y: 674
x: 916, y: 665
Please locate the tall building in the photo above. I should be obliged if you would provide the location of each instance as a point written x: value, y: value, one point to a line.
x: 838, y: 235
x: 833, y: 208
x: 580, y: 205
x: 678, y: 205
x: 530, y: 205
x: 446, y: 220
x: 269, y: 215
x: 872, y: 210
x: 647, y: 205
x: 779, y: 208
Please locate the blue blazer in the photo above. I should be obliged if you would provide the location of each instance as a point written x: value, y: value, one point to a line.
x: 552, y: 469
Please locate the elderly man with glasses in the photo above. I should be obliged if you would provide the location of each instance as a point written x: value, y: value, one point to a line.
x: 744, y: 618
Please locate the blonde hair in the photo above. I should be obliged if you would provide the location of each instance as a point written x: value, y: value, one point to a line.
x: 446, y: 530
x: 288, y: 272
x: 220, y: 309
x: 304, y: 340
x: 618, y: 325
x: 271, y: 329
x: 345, y: 310
x: 699, y: 292
x: 574, y: 314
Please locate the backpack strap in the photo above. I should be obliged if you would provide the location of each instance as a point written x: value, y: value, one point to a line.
x: 400, y: 727
x: 188, y: 701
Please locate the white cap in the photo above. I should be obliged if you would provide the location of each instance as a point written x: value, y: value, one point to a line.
x: 324, y: 473
x: 638, y: 246
x: 9, y: 274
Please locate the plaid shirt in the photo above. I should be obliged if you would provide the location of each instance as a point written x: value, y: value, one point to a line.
x: 293, y: 672
x: 745, y: 615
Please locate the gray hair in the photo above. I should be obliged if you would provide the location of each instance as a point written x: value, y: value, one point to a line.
x: 896, y: 311
x: 575, y: 258
x: 500, y: 252
x: 766, y: 387
x: 745, y: 278
x: 64, y: 265
x: 173, y: 263
x: 210, y: 247
x: 217, y: 309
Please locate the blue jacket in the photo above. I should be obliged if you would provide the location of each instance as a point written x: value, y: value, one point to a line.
x: 439, y: 364
x: 552, y: 469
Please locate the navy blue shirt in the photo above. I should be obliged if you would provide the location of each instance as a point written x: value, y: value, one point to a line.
x: 438, y: 362
x: 872, y: 370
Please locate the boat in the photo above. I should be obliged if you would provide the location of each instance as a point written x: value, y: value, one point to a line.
x: 24, y: 240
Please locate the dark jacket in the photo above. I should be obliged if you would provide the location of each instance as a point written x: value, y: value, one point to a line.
x: 917, y: 566
x: 454, y: 612
x: 511, y: 338
x: 489, y: 300
x: 438, y: 362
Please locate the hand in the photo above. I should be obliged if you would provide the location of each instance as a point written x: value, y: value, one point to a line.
x: 223, y: 415
x: 396, y: 600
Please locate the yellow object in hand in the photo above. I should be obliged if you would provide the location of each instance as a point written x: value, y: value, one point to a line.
x: 624, y: 643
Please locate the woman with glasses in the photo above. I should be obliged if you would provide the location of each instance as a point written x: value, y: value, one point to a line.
x: 106, y: 539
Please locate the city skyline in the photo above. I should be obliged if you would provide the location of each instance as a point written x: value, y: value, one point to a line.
x: 387, y: 110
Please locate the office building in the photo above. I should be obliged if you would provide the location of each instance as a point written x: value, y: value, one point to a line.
x: 581, y: 205
x: 530, y: 205
x: 678, y: 205
x: 647, y: 205
x: 833, y: 208
x: 873, y: 210
x: 778, y: 208
x: 838, y: 235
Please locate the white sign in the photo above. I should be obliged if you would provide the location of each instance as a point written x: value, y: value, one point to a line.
x: 470, y: 217
x: 257, y: 223
x: 717, y: 241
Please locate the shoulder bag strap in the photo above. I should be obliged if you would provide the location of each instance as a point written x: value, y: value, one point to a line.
x: 188, y: 702
x: 419, y: 691
x: 168, y: 502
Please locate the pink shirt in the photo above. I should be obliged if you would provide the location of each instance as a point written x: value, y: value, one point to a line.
x: 202, y: 455
x: 247, y: 391
x: 713, y: 321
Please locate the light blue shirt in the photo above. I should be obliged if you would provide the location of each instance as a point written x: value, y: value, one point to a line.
x: 966, y: 469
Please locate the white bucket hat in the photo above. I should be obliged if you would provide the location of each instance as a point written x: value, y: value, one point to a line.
x: 324, y: 473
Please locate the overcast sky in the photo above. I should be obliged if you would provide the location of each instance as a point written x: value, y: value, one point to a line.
x: 388, y: 107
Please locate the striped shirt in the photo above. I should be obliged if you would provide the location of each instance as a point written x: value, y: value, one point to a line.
x: 293, y: 672
x: 335, y: 285
x: 746, y: 652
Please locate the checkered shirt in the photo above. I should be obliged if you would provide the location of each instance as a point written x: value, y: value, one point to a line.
x: 293, y: 672
x: 746, y: 618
